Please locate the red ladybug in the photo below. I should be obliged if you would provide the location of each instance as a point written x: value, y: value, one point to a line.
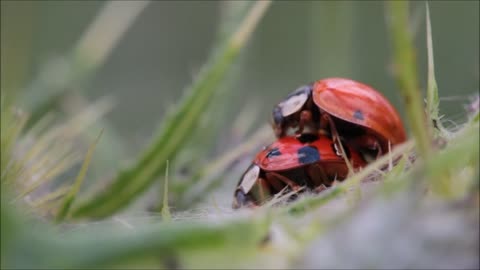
x: 343, y: 108
x: 310, y: 161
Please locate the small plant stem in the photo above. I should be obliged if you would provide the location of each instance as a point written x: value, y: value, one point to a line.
x: 165, y: 209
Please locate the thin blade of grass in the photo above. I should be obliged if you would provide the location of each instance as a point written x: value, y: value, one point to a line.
x: 433, y: 101
x: 405, y: 72
x: 48, y: 175
x: 70, y: 197
x: 11, y: 126
x: 53, y: 195
x: 52, y: 153
x: 165, y: 209
x: 432, y: 88
x: 176, y: 128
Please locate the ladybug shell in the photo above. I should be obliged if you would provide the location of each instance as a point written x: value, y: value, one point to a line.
x: 360, y: 104
x: 289, y: 152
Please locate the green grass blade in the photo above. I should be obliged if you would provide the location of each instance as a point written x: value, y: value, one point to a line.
x: 165, y: 209
x: 433, y: 102
x: 104, y: 246
x: 406, y: 73
x: 176, y: 128
x: 432, y: 88
x: 70, y: 197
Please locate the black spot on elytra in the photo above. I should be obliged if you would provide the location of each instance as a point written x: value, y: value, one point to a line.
x: 308, y: 155
x: 358, y: 115
x: 274, y: 152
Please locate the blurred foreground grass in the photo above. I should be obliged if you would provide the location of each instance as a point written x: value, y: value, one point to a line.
x: 421, y: 213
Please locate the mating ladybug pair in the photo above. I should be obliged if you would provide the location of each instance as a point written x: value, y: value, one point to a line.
x: 317, y: 126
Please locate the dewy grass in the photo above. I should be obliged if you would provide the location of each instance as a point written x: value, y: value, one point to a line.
x: 176, y: 128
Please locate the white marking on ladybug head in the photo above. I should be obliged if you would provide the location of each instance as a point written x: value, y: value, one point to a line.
x: 249, y: 178
x: 293, y: 104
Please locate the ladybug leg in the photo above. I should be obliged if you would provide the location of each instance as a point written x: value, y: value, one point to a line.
x: 305, y: 118
x: 273, y: 176
x: 370, y: 142
x: 276, y: 184
x: 320, y: 188
x: 376, y: 146
x: 263, y: 190
x: 326, y: 120
x: 317, y: 175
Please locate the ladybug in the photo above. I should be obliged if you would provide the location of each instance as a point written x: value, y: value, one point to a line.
x: 345, y: 109
x: 294, y: 162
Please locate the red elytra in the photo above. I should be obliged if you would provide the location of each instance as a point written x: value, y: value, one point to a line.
x: 344, y: 108
x: 293, y: 162
x: 362, y: 105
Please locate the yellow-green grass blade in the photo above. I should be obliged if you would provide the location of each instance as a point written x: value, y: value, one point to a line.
x: 70, y: 197
x: 405, y: 70
x: 433, y: 101
x: 11, y: 126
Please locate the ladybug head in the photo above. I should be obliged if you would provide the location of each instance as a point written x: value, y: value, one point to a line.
x: 285, y: 113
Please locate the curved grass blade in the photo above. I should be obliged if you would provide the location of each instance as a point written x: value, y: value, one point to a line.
x: 176, y: 128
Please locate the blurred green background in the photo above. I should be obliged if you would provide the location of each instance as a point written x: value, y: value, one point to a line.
x: 296, y: 43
